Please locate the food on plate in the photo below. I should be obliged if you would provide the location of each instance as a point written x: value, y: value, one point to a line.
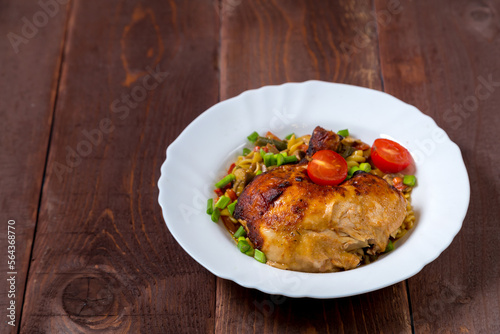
x: 316, y: 203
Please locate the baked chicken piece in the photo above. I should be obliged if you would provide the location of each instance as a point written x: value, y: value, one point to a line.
x: 304, y: 226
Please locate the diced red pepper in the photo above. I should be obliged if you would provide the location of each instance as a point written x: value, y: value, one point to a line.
x: 397, y: 182
x: 231, y: 168
x: 218, y: 192
x: 231, y: 194
x: 271, y: 135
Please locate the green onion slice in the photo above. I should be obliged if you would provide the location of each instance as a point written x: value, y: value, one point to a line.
x: 262, y: 153
x: 250, y: 252
x: 231, y: 207
x: 240, y: 232
x: 365, y: 166
x: 243, y: 246
x: 344, y: 133
x: 246, y: 151
x: 289, y: 136
x: 253, y: 136
x: 225, y: 181
x: 269, y: 159
x: 260, y: 256
x: 291, y: 159
x: 222, y: 202
x: 352, y: 170
x: 210, y: 206
x: 280, y: 159
x: 409, y: 180
x: 215, y: 215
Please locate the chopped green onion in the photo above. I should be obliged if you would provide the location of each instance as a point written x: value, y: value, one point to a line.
x: 243, y: 246
x: 280, y: 160
x: 289, y: 136
x: 269, y: 159
x: 231, y: 207
x: 365, y: 166
x: 222, y: 202
x: 215, y: 215
x: 262, y: 153
x: 253, y: 136
x: 258, y: 172
x: 260, y: 256
x: 352, y: 170
x: 240, y: 232
x: 409, y: 180
x: 225, y: 181
x: 343, y: 133
x: 389, y: 247
x: 246, y: 151
x: 290, y: 159
x: 210, y: 206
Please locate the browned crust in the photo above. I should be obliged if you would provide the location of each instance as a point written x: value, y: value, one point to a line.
x: 261, y: 194
x: 322, y: 139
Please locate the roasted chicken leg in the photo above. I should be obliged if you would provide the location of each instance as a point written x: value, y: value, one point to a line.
x: 303, y: 226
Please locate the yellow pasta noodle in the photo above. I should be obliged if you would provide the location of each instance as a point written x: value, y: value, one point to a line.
x: 295, y: 146
x: 355, y: 159
x: 290, y: 143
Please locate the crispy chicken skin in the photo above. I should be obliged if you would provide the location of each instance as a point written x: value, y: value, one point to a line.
x: 322, y: 139
x: 303, y: 226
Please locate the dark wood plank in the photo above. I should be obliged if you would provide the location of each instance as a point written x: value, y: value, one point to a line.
x: 30, y: 57
x: 103, y: 260
x: 271, y: 42
x: 440, y: 56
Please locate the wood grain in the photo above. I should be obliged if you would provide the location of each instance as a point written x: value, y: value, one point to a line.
x: 97, y: 92
x: 103, y: 260
x: 440, y: 56
x: 29, y: 73
x: 271, y: 42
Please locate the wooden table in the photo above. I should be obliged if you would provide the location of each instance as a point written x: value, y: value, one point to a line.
x: 92, y: 93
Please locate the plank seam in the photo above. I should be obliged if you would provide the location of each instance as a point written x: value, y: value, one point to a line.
x: 52, y: 120
x: 407, y: 284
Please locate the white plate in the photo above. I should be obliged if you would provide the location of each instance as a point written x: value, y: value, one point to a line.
x: 199, y: 156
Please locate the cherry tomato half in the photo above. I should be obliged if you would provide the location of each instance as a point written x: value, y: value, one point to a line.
x: 389, y: 156
x: 327, y: 168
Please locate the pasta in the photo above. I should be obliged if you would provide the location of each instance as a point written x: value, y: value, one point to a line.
x: 355, y: 158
